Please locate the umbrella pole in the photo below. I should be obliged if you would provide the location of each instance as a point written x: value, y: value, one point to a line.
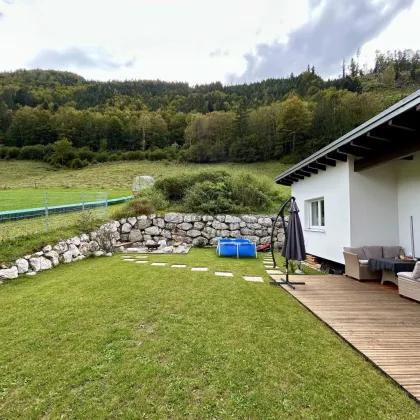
x: 282, y: 281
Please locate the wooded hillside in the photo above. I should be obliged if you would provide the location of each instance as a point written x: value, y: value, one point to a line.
x: 287, y: 118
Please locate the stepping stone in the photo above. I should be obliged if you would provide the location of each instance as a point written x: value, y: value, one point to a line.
x: 274, y: 272
x: 179, y: 265
x: 159, y: 264
x: 221, y: 274
x: 141, y: 257
x: 199, y: 269
x: 254, y: 279
x: 132, y: 250
x: 142, y: 262
x: 31, y: 273
x: 129, y: 259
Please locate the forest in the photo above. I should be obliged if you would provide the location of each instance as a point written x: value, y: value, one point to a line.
x: 62, y: 118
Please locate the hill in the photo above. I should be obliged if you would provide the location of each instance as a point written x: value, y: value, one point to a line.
x: 287, y: 118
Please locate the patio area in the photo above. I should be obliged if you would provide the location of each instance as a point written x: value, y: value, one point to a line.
x: 372, y: 318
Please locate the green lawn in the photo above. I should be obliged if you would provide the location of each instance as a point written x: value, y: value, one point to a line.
x: 105, y: 338
x: 26, y: 198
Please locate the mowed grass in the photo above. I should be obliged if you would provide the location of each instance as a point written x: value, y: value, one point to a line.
x: 112, y: 176
x: 104, y: 338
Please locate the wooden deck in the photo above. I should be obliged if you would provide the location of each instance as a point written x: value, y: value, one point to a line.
x: 374, y: 319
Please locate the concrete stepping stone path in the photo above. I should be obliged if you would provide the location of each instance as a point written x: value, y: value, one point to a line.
x: 142, y: 262
x: 129, y: 259
x: 274, y: 272
x: 179, y: 266
x: 222, y: 274
x: 158, y: 264
x: 254, y: 279
x: 199, y: 269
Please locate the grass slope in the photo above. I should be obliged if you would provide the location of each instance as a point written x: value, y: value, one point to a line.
x: 110, y: 339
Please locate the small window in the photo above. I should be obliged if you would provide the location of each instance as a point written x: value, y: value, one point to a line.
x: 317, y: 214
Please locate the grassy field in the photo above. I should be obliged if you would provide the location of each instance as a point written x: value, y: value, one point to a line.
x: 110, y: 176
x: 105, y: 338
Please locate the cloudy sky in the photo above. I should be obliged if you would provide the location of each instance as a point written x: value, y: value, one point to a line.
x: 200, y: 41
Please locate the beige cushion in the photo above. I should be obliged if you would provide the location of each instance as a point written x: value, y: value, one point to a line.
x: 416, y: 271
x: 373, y: 251
x: 363, y: 262
x: 405, y: 275
x: 358, y: 251
x: 391, y: 251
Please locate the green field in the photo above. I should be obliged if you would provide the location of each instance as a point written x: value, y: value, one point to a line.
x: 116, y: 176
x: 105, y: 338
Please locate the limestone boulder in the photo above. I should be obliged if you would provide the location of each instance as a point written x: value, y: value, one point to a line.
x: 67, y: 257
x: 174, y: 218
x: 199, y: 225
x: 219, y: 225
x: 126, y: 228
x: 185, y: 226
x: 200, y: 241
x: 159, y: 222
x: 193, y: 233
x: 47, y: 248
x: 132, y: 220
x: 45, y: 264
x: 93, y: 246
x: 135, y: 235
x: 234, y: 226
x: 190, y: 218
x: 84, y: 248
x: 35, y: 263
x: 208, y: 218
x: 265, y: 221
x: 221, y: 217
x: 22, y: 265
x: 9, y: 273
x: 143, y: 223
x: 53, y: 257
x: 249, y: 219
x: 232, y: 219
x: 247, y: 231
x: 153, y: 230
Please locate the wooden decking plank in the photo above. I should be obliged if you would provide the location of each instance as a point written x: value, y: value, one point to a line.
x: 373, y: 318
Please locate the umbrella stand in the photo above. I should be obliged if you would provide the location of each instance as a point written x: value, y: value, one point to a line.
x: 281, y: 215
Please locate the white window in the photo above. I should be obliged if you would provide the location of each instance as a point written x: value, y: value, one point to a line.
x: 316, y: 214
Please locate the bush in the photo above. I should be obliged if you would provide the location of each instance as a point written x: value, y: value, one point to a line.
x: 37, y: 152
x: 157, y: 154
x: 113, y: 157
x: 156, y: 197
x: 12, y: 152
x: 133, y: 155
x: 78, y: 163
x: 210, y: 198
x: 136, y: 207
x: 102, y: 157
x: 86, y: 154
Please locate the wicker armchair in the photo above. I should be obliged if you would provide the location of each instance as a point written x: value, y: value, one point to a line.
x: 358, y: 269
x: 409, y: 285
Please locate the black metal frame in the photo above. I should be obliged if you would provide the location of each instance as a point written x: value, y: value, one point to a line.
x: 281, y: 214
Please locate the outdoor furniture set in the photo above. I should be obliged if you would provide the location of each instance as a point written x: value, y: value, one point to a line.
x: 384, y: 263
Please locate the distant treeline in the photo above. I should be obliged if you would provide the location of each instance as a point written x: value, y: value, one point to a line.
x: 287, y: 118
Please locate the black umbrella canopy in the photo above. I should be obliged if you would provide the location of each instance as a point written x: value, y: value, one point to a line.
x: 294, y: 242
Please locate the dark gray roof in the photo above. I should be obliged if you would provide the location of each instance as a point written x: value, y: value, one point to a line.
x: 408, y: 106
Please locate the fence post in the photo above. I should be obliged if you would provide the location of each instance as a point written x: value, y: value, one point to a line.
x: 46, y: 210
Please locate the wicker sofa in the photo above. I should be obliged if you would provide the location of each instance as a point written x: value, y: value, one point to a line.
x: 356, y: 260
x: 409, y: 284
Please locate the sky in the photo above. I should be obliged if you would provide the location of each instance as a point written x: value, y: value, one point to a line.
x: 195, y: 41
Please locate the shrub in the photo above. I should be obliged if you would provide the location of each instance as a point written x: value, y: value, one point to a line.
x: 102, y: 157
x: 12, y: 152
x: 136, y: 207
x: 157, y: 154
x: 133, y: 155
x: 113, y: 157
x: 155, y: 196
x: 37, y: 152
x: 78, y: 163
x: 210, y: 198
x: 85, y: 154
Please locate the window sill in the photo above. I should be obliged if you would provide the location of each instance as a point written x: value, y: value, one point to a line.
x: 320, y: 230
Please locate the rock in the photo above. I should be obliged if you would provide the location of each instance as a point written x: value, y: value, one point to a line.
x: 167, y: 234
x: 47, y: 248
x: 213, y: 242
x: 221, y: 217
x: 74, y: 250
x: 53, y: 257
x: 132, y: 250
x: 254, y: 239
x: 235, y: 234
x: 193, y: 233
x: 147, y: 238
x: 162, y: 243
x: 242, y: 224
x: 132, y: 220
x: 168, y: 249
x: 39, y: 254
x: 153, y: 230
x: 185, y: 226
x: 124, y: 237
x: 265, y: 221
x: 249, y: 219
x: 99, y: 253
x: 22, y: 265
x: 31, y: 273
x: 199, y: 225
x: 209, y: 232
x: 35, y: 263
x: 246, y: 231
x: 223, y: 233
x: 126, y: 228
x: 84, y: 248
x: 27, y: 257
x: 219, y: 225
x: 93, y: 236
x: 208, y: 218
x: 234, y: 226
x: 75, y: 241
x: 122, y: 221
x: 9, y: 273
x: 254, y: 226
x: 232, y: 219
x: 265, y: 240
x: 108, y: 254
x: 150, y: 242
x: 299, y: 272
x: 174, y: 218
x: 192, y: 218
x: 45, y: 264
x: 188, y: 240
x: 85, y: 237
x: 81, y: 257
x: 152, y: 216
x: 200, y: 241
x: 135, y: 236
x: 67, y: 257
x: 93, y: 246
x: 159, y: 222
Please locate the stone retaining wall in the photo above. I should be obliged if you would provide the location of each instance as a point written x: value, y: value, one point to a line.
x: 196, y: 229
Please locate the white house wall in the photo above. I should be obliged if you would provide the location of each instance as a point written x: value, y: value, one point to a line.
x: 374, y: 206
x: 408, y: 175
x: 333, y: 185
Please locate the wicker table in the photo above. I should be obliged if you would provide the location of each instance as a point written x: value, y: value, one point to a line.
x: 390, y: 267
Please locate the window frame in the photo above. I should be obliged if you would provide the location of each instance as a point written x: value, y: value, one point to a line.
x: 320, y: 216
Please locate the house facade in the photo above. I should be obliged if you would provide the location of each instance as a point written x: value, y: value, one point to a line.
x: 364, y: 188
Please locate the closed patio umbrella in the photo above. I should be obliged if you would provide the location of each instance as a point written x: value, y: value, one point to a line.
x: 294, y: 243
